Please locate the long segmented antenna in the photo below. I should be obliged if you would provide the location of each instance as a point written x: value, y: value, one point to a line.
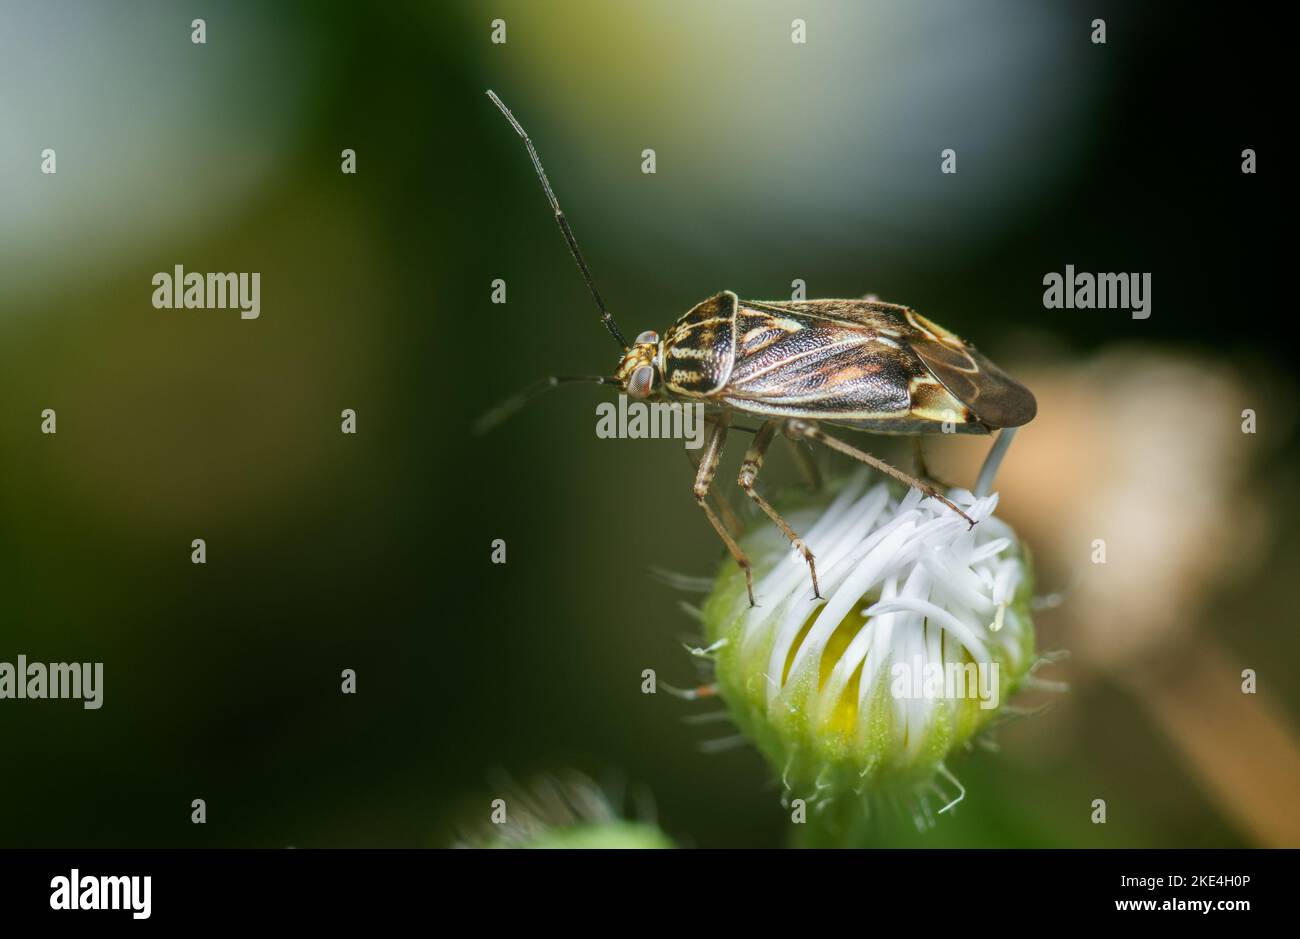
x: 512, y: 404
x: 605, y: 316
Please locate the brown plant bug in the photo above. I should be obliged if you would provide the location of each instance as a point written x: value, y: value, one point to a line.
x: 858, y: 364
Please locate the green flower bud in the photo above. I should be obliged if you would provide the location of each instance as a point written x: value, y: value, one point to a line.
x: 923, y: 634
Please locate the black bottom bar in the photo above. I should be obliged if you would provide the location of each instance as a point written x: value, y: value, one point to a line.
x: 676, y: 888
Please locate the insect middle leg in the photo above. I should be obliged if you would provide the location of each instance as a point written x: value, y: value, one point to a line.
x: 749, y: 475
x: 713, y: 445
x: 802, y: 428
x: 807, y: 465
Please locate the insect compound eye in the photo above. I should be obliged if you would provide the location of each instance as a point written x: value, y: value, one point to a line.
x: 648, y: 336
x: 638, y: 386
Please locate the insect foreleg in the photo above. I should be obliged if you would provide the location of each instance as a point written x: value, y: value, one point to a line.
x: 725, y: 510
x: 802, y: 428
x: 703, y: 480
x: 749, y: 475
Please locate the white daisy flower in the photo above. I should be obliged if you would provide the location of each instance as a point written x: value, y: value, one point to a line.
x: 922, y: 634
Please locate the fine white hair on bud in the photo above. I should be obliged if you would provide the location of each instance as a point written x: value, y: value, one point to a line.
x: 922, y: 633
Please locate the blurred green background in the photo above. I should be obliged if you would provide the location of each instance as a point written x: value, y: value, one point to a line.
x: 775, y: 161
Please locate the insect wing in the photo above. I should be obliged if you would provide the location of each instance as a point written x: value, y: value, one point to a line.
x: 869, y: 362
x: 993, y: 396
x: 824, y: 369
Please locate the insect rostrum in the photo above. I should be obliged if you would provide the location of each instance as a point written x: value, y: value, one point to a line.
x: 857, y: 364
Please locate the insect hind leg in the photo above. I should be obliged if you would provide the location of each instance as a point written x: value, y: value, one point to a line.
x: 798, y: 427
x: 749, y: 475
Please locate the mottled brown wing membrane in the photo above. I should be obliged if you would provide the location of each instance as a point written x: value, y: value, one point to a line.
x: 993, y: 396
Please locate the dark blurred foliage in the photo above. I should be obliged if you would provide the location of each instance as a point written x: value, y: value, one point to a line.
x: 372, y: 552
